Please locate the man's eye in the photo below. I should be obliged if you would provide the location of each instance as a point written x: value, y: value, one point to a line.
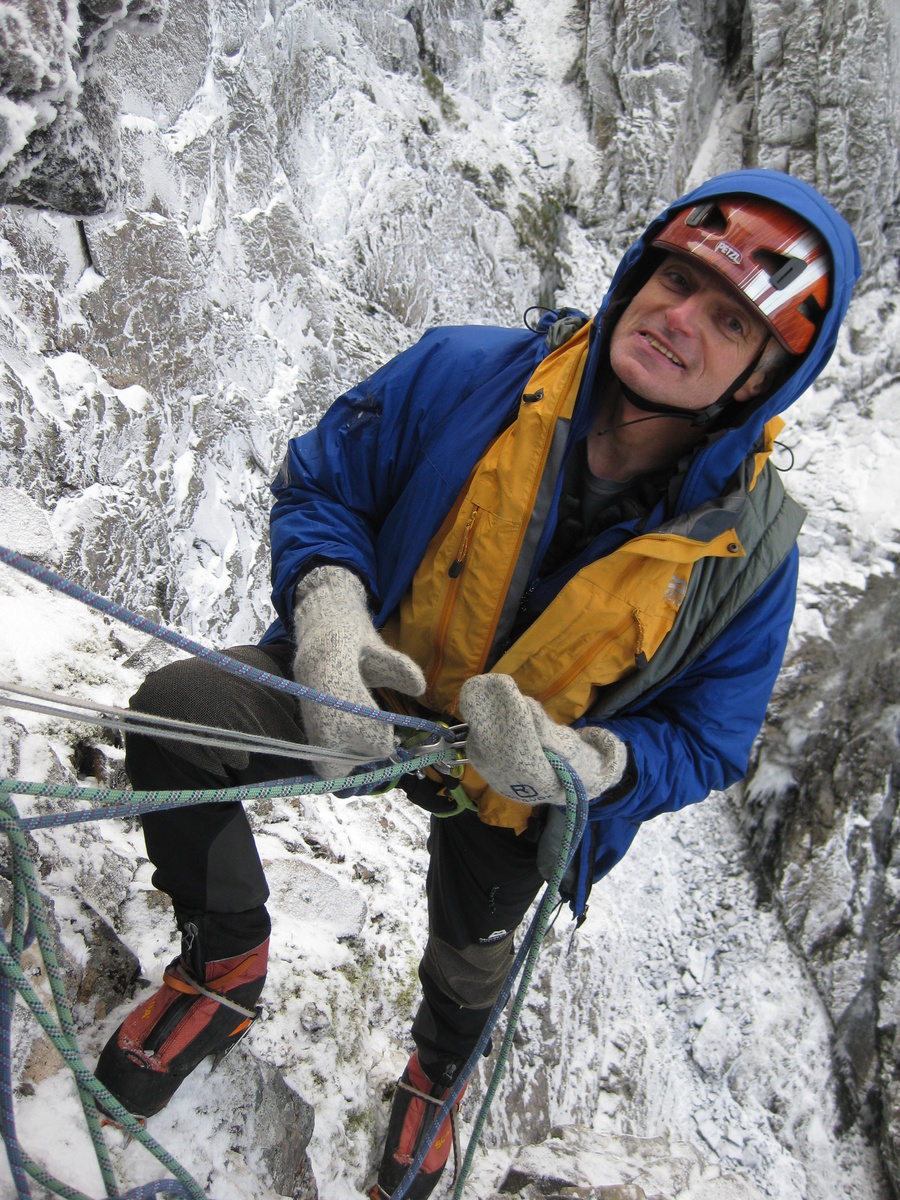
x: 735, y: 326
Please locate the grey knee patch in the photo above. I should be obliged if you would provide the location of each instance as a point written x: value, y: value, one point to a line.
x: 193, y: 691
x: 471, y: 976
x: 196, y: 691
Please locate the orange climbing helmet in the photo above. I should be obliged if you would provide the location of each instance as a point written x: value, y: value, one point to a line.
x: 772, y: 256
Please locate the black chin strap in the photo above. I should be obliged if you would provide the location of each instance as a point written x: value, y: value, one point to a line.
x: 636, y: 421
x: 698, y: 416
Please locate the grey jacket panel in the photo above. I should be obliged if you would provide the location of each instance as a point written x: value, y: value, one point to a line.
x: 767, y: 521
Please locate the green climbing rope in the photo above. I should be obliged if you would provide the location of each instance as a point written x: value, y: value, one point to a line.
x: 28, y: 913
x: 575, y: 814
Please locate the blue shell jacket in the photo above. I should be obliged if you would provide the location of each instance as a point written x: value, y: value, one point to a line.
x: 372, y: 483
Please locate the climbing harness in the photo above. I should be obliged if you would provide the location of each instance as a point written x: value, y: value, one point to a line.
x: 432, y: 744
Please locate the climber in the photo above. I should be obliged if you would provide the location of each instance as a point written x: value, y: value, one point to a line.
x: 570, y: 538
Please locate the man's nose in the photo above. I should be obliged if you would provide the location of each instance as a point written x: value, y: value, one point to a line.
x: 683, y: 316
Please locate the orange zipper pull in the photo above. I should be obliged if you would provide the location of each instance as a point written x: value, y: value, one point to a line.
x: 457, y: 565
x: 640, y: 658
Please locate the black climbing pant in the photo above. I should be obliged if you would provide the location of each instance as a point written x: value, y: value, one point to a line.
x: 481, y: 879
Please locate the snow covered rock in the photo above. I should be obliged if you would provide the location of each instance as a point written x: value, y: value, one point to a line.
x: 809, y: 87
x: 576, y: 1161
x: 268, y: 1122
x: 449, y: 33
x: 654, y: 74
x: 108, y: 969
x: 24, y: 526
x: 820, y: 812
x: 59, y: 107
x: 304, y: 187
x: 310, y: 895
x: 826, y: 79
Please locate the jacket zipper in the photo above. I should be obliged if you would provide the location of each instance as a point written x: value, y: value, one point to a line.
x: 575, y: 668
x: 453, y: 573
x: 529, y: 506
x: 457, y: 565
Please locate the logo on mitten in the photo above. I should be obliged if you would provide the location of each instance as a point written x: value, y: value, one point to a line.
x: 524, y: 791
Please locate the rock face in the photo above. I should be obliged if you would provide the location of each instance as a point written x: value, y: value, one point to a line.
x: 809, y: 87
x: 656, y: 73
x: 578, y: 1162
x: 269, y: 1124
x: 273, y: 198
x: 59, y: 106
x: 820, y: 813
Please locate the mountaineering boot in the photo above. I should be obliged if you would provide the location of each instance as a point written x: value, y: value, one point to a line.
x: 413, y: 1112
x: 161, y: 1041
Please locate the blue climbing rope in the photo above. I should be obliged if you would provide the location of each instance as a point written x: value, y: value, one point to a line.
x: 109, y: 608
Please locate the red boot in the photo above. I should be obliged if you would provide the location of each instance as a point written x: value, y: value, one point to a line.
x: 413, y: 1113
x: 161, y: 1041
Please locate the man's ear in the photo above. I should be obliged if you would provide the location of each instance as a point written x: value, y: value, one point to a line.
x: 754, y: 386
x: 771, y: 368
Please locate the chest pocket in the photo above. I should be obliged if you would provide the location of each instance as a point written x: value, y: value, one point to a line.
x: 608, y: 621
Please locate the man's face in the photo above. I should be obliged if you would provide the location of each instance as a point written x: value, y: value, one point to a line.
x: 685, y: 337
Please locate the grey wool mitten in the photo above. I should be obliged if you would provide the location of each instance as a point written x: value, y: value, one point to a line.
x: 339, y: 651
x: 509, y: 732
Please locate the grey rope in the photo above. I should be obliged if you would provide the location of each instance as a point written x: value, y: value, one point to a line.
x: 129, y: 720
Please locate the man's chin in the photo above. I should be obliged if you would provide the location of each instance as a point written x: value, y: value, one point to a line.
x: 654, y: 395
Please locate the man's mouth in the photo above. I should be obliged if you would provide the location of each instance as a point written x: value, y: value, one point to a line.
x: 670, y: 355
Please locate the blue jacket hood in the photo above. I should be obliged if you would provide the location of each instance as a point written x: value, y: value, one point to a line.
x: 718, y: 463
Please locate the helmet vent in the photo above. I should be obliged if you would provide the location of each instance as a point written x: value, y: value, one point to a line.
x: 708, y: 217
x: 781, y: 268
x: 812, y: 310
